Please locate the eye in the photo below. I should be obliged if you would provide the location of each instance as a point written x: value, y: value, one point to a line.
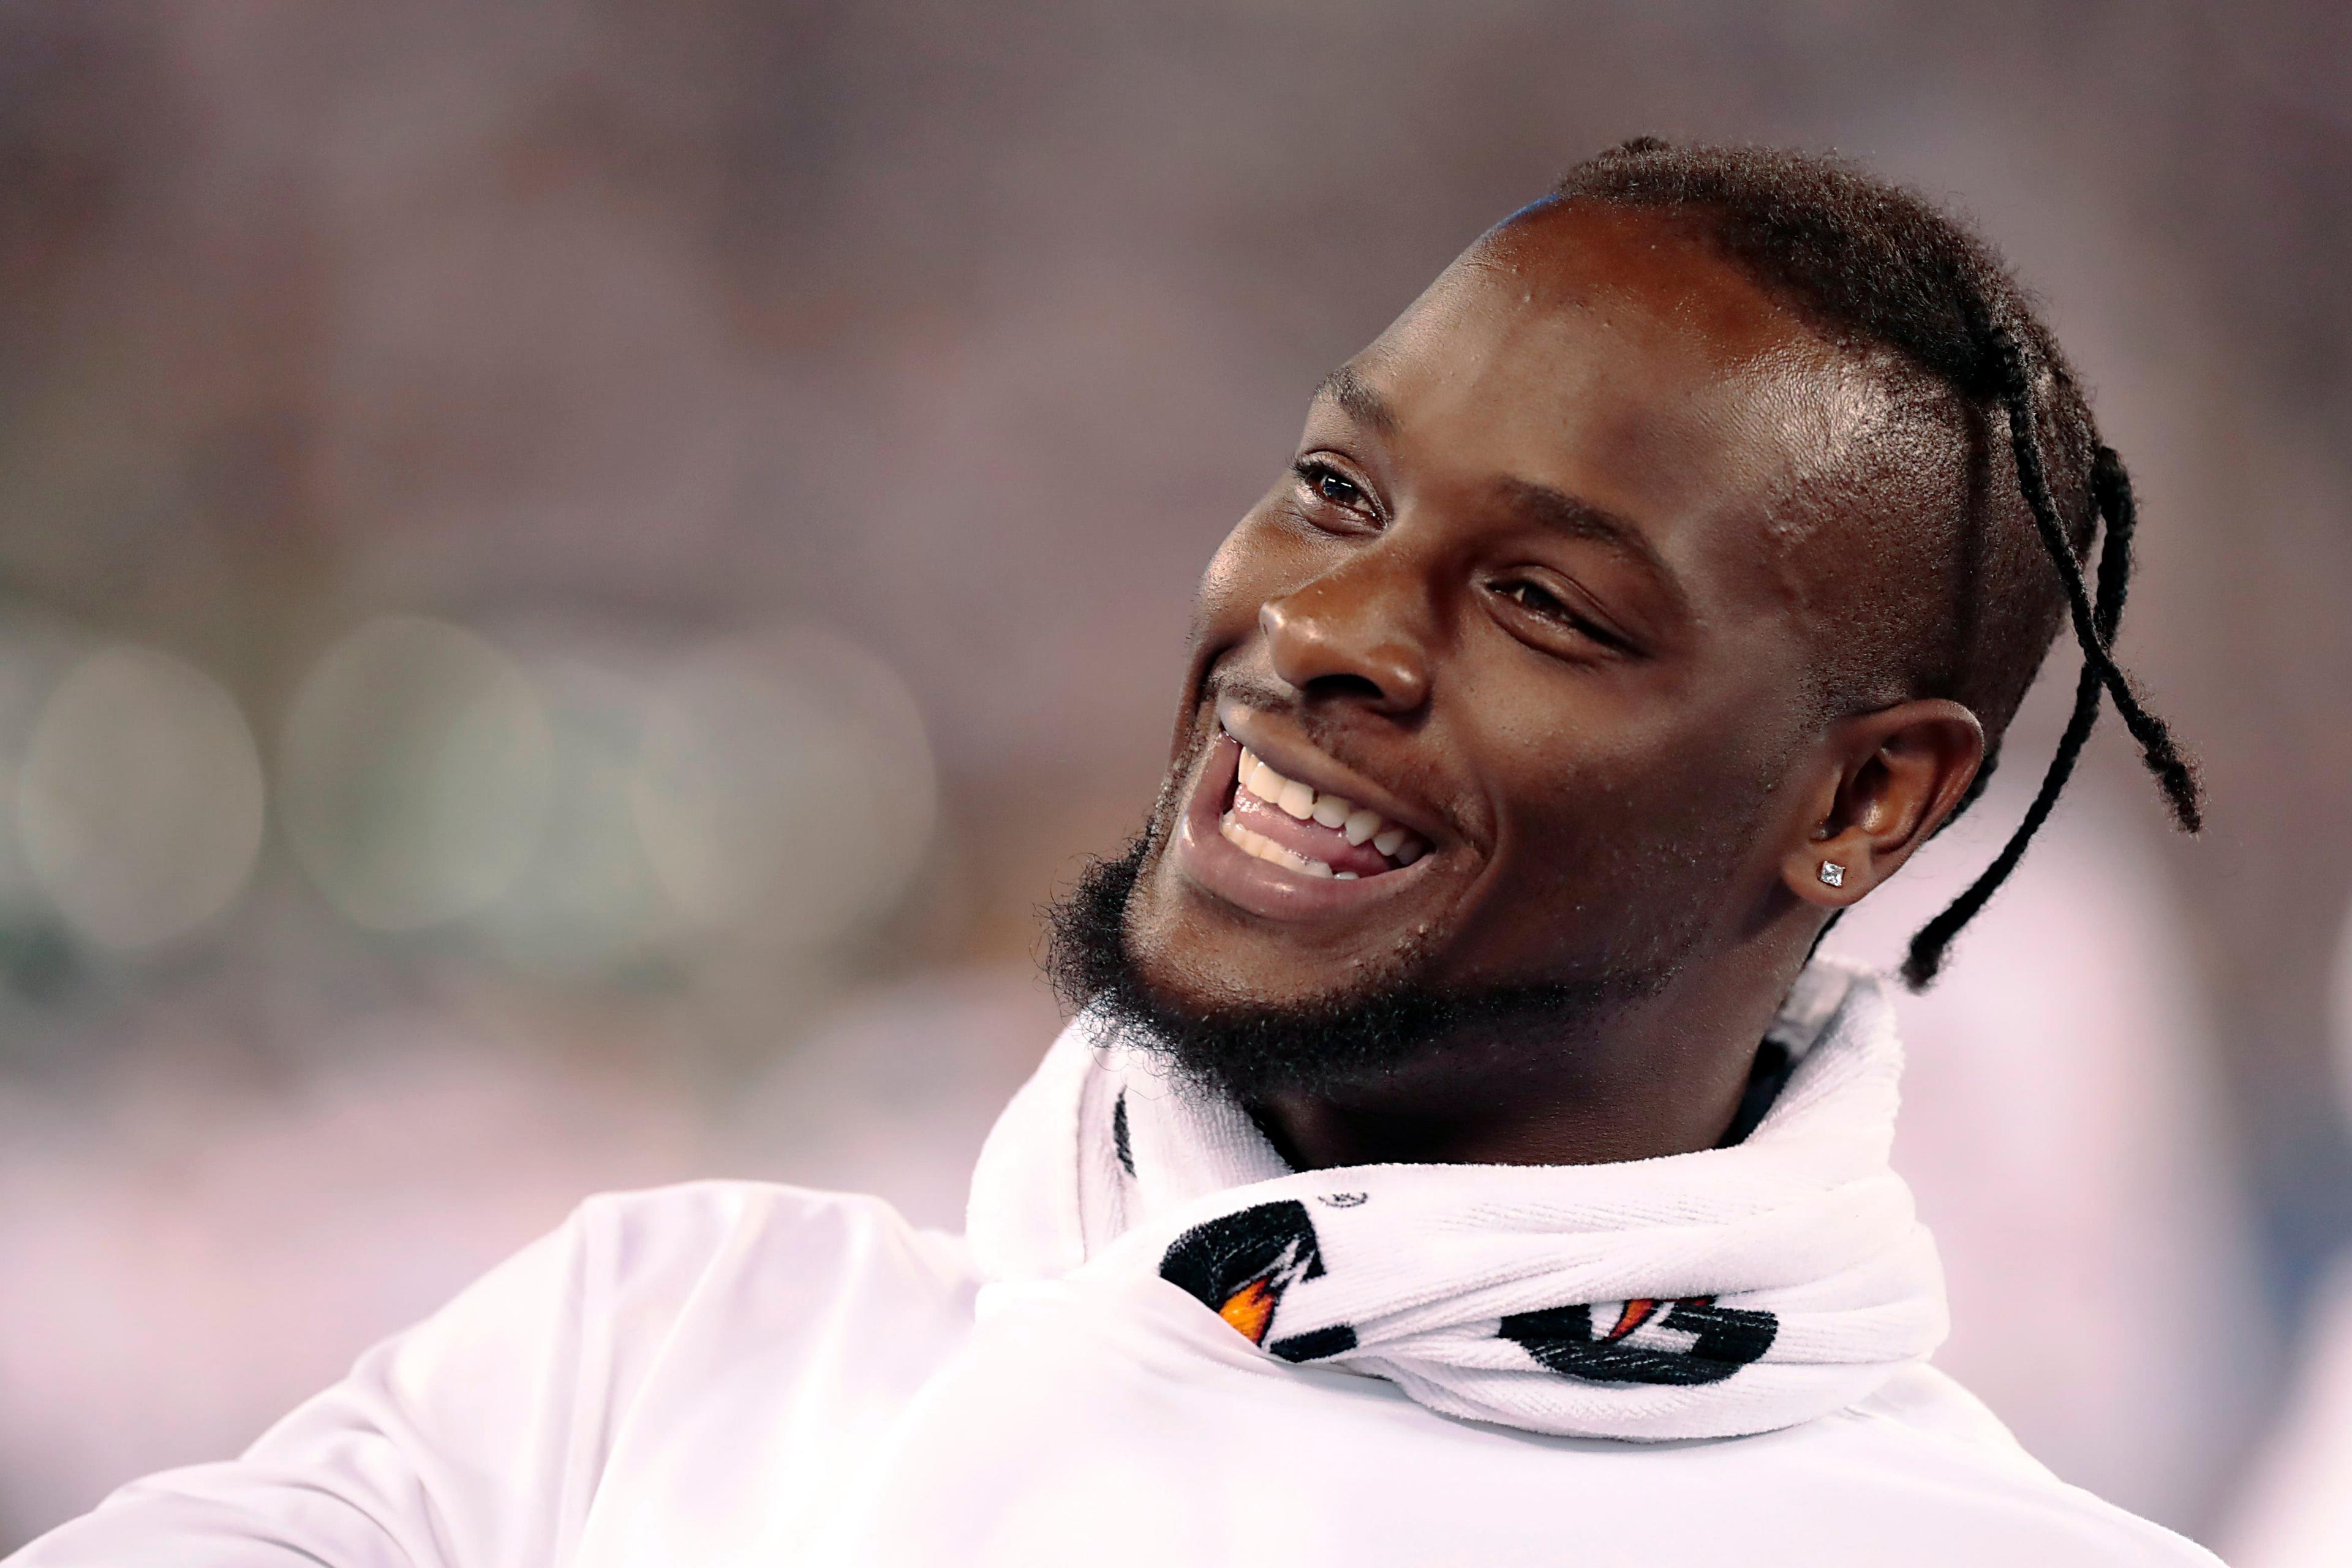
x: 1578, y: 624
x: 1533, y: 597
x: 1333, y: 488
x: 1328, y: 485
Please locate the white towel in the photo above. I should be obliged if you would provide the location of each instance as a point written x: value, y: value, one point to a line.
x: 1704, y: 1295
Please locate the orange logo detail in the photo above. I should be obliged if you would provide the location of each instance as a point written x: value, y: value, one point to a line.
x: 1632, y: 1316
x: 1249, y: 1310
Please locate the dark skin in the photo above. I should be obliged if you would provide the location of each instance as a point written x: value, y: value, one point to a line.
x: 1527, y: 593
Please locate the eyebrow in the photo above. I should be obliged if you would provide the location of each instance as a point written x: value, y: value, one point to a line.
x: 1566, y: 514
x: 1357, y: 399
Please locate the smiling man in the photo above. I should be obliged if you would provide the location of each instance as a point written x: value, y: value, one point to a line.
x: 1459, y: 1155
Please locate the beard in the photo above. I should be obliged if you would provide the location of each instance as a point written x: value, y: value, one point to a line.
x: 1327, y: 1045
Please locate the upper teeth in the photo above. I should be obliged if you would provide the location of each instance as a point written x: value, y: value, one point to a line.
x: 1302, y: 801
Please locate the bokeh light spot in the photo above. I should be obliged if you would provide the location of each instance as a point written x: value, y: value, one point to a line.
x: 141, y: 798
x: 786, y: 783
x: 414, y: 770
x: 588, y: 901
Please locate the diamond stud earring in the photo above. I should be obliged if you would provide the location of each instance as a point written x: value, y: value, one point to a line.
x: 1833, y: 873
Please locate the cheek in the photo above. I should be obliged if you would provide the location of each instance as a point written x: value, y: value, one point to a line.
x: 1619, y: 840
x: 1260, y: 560
x: 1608, y: 821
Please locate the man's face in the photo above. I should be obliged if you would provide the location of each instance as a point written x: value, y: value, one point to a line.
x: 1524, y: 599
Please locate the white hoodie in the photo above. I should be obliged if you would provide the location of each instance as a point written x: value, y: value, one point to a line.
x: 738, y: 1373
x: 741, y: 1373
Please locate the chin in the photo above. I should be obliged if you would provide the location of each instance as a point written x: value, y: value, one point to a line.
x: 1200, y: 953
x: 1257, y: 1007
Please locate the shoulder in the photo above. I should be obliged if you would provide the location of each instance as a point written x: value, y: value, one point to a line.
x: 635, y: 1249
x: 725, y: 1269
x: 481, y: 1434
x: 1935, y: 1447
x: 757, y: 1254
x: 685, y: 1232
x: 642, y: 1307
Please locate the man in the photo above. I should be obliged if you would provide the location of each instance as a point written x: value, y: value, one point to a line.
x: 1461, y: 1157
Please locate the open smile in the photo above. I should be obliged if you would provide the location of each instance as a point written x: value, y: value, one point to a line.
x: 1276, y: 844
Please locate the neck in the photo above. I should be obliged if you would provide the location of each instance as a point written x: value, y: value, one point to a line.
x: 1660, y: 1076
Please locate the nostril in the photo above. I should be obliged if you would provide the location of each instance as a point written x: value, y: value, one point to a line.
x: 1362, y: 688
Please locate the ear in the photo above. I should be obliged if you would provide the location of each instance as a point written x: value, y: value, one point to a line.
x: 1894, y: 775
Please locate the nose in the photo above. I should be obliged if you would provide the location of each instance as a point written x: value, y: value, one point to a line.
x: 1351, y: 636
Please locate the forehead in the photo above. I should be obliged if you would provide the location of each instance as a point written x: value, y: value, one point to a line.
x: 1615, y: 355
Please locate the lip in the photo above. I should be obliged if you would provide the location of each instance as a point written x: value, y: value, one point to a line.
x: 1204, y: 857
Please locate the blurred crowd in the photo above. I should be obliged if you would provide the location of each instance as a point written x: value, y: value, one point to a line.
x: 571, y: 576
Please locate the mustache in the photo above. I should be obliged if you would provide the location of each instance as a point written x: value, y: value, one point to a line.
x: 1334, y: 734
x: 1252, y: 690
x: 1250, y: 687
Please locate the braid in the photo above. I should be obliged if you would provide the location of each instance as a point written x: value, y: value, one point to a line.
x: 2111, y: 492
x: 2096, y: 624
x: 1927, y: 956
x: 2171, y: 770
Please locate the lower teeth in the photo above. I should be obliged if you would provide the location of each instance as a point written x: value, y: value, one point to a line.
x: 1264, y: 849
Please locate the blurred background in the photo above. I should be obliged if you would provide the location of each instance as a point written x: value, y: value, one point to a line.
x: 571, y: 576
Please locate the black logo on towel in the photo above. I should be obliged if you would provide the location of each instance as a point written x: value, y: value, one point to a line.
x: 1688, y: 1342
x: 1238, y: 1265
x: 1120, y: 1143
